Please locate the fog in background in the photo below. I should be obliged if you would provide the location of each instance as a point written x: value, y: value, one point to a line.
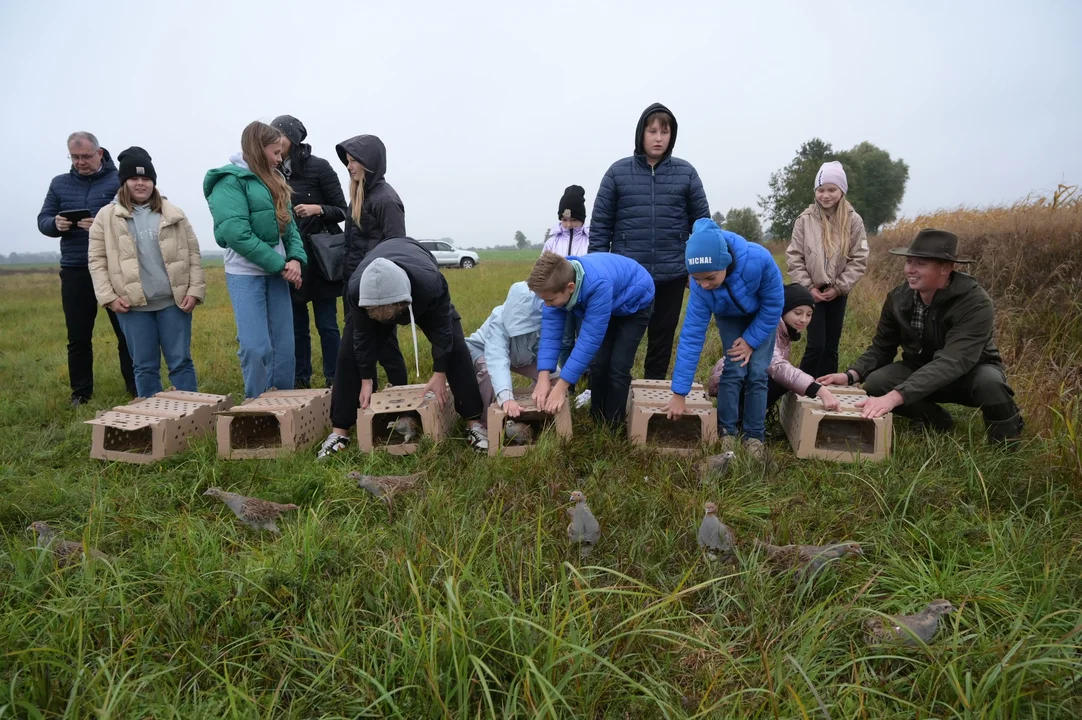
x: 489, y: 109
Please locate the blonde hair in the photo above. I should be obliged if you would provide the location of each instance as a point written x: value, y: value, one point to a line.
x: 356, y: 199
x: 551, y: 273
x: 123, y: 196
x: 255, y: 137
x: 836, y: 229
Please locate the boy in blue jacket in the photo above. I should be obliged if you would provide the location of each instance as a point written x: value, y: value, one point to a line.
x: 739, y: 284
x: 613, y: 296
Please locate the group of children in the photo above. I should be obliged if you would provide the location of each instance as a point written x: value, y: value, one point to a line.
x: 594, y: 293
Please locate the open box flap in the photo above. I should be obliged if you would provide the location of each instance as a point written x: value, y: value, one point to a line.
x: 124, y: 421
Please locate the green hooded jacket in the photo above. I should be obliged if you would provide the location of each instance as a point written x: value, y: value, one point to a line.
x: 957, y: 337
x: 244, y: 218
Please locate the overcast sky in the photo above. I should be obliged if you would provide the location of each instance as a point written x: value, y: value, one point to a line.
x: 489, y: 109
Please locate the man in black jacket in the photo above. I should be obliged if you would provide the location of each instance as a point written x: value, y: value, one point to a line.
x: 397, y: 283
x: 319, y: 206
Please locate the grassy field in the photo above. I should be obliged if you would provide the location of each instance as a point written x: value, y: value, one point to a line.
x: 470, y: 602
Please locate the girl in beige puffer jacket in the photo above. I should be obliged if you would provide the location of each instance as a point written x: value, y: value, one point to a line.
x: 827, y: 254
x: 145, y: 263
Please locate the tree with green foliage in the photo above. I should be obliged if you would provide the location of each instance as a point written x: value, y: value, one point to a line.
x: 745, y: 223
x: 876, y: 185
x: 718, y: 218
x: 791, y: 187
x: 520, y: 240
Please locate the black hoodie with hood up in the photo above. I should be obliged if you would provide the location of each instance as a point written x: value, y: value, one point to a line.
x: 647, y: 213
x: 382, y: 215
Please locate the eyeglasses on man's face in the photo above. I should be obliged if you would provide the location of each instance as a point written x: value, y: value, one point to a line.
x: 82, y: 158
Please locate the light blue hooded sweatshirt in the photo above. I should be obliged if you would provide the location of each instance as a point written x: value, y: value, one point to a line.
x: 509, y: 338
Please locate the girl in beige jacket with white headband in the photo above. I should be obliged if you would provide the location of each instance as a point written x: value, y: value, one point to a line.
x: 828, y: 254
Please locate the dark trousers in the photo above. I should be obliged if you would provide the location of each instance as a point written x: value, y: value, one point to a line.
x: 610, y: 372
x: 80, y: 313
x: 824, y: 333
x: 346, y: 392
x: 668, y: 300
x: 984, y: 387
x: 325, y: 311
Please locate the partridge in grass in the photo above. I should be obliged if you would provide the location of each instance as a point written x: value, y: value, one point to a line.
x: 385, y: 487
x: 517, y: 433
x: 806, y: 559
x: 253, y: 512
x: 906, y: 629
x: 406, y: 426
x: 65, y: 551
x: 584, y: 529
x: 714, y: 536
x: 716, y: 466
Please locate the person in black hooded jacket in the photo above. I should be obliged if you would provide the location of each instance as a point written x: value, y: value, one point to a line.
x: 375, y: 214
x: 319, y: 206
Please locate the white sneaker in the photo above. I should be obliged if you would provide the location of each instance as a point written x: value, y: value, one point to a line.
x: 582, y: 398
x: 477, y: 438
x: 334, y: 443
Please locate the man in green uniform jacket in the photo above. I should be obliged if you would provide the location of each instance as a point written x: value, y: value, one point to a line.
x: 943, y: 322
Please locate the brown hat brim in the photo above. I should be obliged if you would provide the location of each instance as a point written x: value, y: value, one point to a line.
x: 905, y: 252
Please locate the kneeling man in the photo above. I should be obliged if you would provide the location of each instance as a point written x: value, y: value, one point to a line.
x: 943, y: 321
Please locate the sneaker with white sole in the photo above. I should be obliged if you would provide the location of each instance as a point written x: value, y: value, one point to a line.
x: 334, y: 443
x: 477, y: 438
x: 728, y: 443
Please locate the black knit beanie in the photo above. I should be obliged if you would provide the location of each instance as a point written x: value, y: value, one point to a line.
x: 795, y: 296
x: 135, y: 162
x: 573, y: 203
x: 291, y: 127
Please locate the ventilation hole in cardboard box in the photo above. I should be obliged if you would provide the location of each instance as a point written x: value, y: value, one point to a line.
x: 247, y: 432
x: 687, y: 432
x: 838, y: 435
x: 382, y: 433
x: 132, y: 441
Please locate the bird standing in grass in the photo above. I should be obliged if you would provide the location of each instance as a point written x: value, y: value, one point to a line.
x: 386, y: 487
x: 406, y: 426
x: 715, y: 467
x: 906, y: 629
x: 253, y: 512
x: 714, y: 536
x: 584, y: 529
x: 807, y: 560
x: 517, y: 433
x: 65, y: 551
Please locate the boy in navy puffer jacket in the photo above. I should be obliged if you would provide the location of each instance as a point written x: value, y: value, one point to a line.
x: 613, y: 296
x: 739, y: 284
x: 645, y: 209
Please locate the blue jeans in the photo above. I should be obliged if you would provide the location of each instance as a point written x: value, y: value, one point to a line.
x: 325, y: 311
x: 150, y: 335
x: 264, y: 314
x: 752, y: 378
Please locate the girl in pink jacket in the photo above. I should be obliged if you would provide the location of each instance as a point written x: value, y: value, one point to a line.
x: 571, y: 236
x: 796, y: 314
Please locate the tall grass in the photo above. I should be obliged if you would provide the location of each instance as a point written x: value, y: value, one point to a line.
x: 469, y: 603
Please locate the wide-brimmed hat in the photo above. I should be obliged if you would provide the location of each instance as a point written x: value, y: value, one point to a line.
x: 933, y: 244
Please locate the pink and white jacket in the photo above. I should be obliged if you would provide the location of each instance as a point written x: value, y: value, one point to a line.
x: 568, y: 242
x: 780, y: 371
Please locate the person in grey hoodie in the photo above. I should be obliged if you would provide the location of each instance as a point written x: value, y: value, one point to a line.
x: 506, y: 343
x: 400, y: 283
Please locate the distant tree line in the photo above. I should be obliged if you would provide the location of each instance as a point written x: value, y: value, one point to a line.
x: 38, y: 258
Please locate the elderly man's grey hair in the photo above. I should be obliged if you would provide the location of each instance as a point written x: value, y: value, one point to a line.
x: 83, y: 137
